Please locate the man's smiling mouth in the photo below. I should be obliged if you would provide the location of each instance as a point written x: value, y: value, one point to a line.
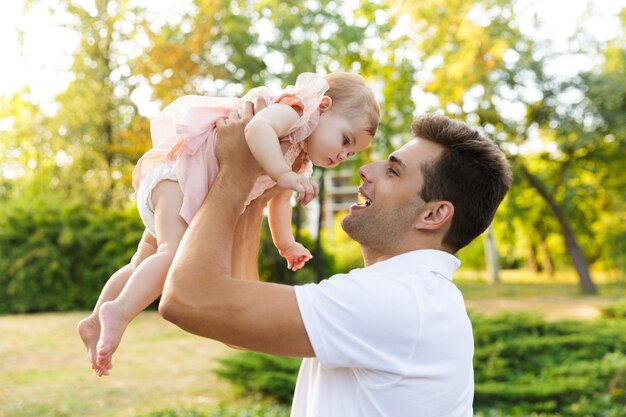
x: 363, y: 199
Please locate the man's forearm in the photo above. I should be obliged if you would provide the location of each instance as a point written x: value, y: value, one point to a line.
x: 245, y: 251
x: 203, y: 260
x: 200, y: 295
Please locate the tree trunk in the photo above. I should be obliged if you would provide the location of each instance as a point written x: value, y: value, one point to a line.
x: 491, y: 257
x: 546, y: 258
x: 573, y: 249
x: 317, y: 253
x: 297, y: 221
x: 532, y: 263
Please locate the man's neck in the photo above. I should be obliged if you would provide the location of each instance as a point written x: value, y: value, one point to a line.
x: 372, y: 256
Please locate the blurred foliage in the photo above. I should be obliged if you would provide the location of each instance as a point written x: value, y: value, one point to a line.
x: 256, y: 373
x: 254, y: 411
x: 469, y: 59
x: 57, y: 255
x: 615, y: 311
x: 273, y: 267
x: 524, y: 366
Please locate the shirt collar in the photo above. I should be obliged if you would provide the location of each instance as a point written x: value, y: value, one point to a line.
x: 434, y: 260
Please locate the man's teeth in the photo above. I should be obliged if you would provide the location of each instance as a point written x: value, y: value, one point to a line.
x: 364, y: 201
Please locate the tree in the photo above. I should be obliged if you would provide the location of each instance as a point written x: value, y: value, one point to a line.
x: 486, y: 71
x: 97, y: 118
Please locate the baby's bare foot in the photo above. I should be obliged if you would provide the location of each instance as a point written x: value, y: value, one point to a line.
x: 89, y: 330
x: 113, y: 325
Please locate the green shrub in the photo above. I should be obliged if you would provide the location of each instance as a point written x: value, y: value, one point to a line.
x: 615, y: 310
x: 273, y: 267
x: 56, y: 255
x: 255, y: 373
x: 524, y: 366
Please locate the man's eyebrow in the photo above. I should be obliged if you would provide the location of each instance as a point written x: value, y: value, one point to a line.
x: 396, y: 160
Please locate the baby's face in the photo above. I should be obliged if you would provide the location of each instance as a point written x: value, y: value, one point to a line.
x: 335, y: 139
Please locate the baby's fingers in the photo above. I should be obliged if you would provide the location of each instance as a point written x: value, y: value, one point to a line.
x: 301, y: 261
x: 312, y: 191
x: 309, y: 194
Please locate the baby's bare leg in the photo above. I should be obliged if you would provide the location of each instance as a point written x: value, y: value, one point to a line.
x: 89, y: 327
x: 146, y: 282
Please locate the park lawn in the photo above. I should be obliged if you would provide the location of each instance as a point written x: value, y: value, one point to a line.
x: 44, y: 371
x: 557, y: 297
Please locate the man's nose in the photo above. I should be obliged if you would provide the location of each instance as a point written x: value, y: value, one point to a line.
x: 364, y: 172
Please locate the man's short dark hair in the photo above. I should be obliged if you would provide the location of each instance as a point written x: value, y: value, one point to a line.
x: 471, y: 172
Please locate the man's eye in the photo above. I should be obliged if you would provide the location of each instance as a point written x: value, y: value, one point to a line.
x: 391, y: 171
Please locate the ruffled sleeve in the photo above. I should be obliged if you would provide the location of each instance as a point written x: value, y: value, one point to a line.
x: 308, y: 91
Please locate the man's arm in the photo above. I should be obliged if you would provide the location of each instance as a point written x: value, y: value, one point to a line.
x: 200, y: 294
x: 245, y: 252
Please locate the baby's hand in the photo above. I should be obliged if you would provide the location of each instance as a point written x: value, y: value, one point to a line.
x: 296, y: 256
x: 307, y: 189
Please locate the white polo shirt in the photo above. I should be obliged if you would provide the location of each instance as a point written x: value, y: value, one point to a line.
x: 391, y: 340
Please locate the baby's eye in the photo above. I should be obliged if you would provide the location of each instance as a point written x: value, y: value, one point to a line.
x: 346, y: 141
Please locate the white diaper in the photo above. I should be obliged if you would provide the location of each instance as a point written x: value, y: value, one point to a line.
x: 144, y: 193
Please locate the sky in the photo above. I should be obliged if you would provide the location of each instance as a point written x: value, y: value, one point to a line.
x: 43, y: 61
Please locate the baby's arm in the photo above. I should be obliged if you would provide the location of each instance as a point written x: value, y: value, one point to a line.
x: 279, y: 216
x: 262, y: 135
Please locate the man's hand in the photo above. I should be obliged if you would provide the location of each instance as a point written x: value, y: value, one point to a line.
x: 231, y: 148
x: 306, y: 188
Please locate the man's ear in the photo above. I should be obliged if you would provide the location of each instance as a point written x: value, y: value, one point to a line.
x: 435, y: 215
x: 326, y: 104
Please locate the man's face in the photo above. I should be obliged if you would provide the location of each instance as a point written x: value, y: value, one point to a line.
x: 391, y: 192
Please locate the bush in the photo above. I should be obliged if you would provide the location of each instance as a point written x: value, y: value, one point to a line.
x: 258, y: 374
x: 273, y: 268
x: 524, y: 366
x: 56, y: 255
x: 615, y: 311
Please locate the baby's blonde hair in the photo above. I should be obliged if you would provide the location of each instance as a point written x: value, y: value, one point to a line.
x: 353, y: 98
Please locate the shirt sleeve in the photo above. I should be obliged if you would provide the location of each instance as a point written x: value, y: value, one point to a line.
x: 366, y: 322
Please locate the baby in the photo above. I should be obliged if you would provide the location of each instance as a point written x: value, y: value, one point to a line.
x: 320, y: 121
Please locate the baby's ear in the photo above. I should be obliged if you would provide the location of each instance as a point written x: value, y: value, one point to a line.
x: 326, y: 104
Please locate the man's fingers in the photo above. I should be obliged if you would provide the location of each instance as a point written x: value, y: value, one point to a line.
x: 311, y: 191
x: 247, y: 111
x: 233, y: 115
x: 258, y: 104
x: 316, y: 188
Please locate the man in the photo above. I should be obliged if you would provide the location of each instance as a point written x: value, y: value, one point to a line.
x: 392, y: 339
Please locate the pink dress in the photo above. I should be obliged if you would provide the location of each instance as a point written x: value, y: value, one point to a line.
x: 183, y: 138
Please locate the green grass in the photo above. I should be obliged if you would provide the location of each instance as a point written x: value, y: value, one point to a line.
x: 44, y: 370
x: 557, y: 297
